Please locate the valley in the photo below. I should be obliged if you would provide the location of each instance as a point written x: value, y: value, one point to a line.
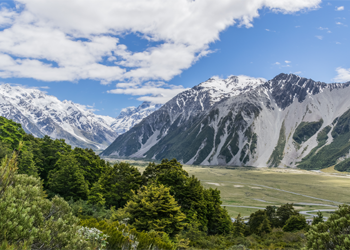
x: 245, y: 190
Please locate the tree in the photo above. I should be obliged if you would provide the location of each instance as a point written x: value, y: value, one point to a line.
x: 255, y: 220
x: 272, y: 216
x: 295, y: 223
x: 238, y: 226
x: 28, y: 220
x: 317, y: 219
x: 118, y: 182
x: 5, y: 149
x: 91, y: 164
x: 265, y: 226
x: 96, y: 195
x: 26, y: 164
x: 333, y: 233
x: 284, y: 212
x: 11, y: 132
x: 153, y: 208
x: 50, y: 151
x: 68, y: 180
x: 219, y: 222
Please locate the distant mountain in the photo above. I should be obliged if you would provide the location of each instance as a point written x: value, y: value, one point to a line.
x: 288, y: 121
x: 42, y: 114
x: 130, y: 116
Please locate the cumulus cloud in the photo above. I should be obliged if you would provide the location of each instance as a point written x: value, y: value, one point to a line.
x: 287, y: 62
x: 343, y: 75
x: 71, y: 40
x: 340, y: 8
x: 319, y: 37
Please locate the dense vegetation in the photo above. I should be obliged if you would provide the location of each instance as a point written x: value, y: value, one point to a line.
x: 306, y: 130
x: 324, y: 156
x: 56, y: 197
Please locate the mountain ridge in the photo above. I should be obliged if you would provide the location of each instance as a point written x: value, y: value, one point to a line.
x: 41, y: 114
x: 255, y: 127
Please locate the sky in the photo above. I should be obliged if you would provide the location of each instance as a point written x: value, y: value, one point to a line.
x: 111, y: 54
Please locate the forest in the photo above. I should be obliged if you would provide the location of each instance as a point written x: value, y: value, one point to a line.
x: 56, y: 197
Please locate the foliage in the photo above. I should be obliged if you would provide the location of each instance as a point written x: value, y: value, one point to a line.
x: 11, y: 133
x: 117, y: 184
x: 84, y: 209
x: 255, y: 221
x: 26, y: 164
x: 306, y: 130
x: 295, y: 223
x: 5, y: 149
x: 91, y: 164
x: 277, y: 154
x: 284, y: 212
x: 120, y: 236
x: 265, y: 226
x: 96, y: 194
x: 68, y: 179
x: 196, y: 202
x: 238, y: 226
x: 95, y: 236
x: 317, y: 219
x: 332, y: 234
x: 47, y: 152
x: 153, y: 208
x: 28, y: 219
x: 219, y: 222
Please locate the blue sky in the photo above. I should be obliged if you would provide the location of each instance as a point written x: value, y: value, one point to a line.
x: 110, y: 54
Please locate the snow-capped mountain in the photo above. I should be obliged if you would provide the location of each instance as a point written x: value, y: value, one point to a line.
x: 131, y: 116
x: 42, y: 114
x: 287, y: 121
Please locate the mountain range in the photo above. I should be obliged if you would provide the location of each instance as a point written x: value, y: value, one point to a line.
x: 41, y: 114
x: 288, y: 121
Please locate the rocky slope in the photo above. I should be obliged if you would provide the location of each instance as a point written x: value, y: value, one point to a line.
x: 287, y: 121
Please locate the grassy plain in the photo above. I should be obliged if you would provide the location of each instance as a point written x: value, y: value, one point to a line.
x: 245, y: 190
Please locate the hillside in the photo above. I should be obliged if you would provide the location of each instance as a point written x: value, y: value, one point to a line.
x: 288, y: 121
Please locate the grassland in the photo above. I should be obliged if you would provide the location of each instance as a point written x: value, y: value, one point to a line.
x: 245, y: 190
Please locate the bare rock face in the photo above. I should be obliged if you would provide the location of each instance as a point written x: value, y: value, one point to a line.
x: 286, y: 121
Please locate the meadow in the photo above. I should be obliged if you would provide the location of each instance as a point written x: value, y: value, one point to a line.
x: 245, y: 190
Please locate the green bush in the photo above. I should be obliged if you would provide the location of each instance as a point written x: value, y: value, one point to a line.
x: 295, y: 223
x: 29, y: 220
x: 332, y: 234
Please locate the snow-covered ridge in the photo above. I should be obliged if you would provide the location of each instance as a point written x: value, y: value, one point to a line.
x: 131, y: 116
x: 232, y: 86
x: 42, y: 114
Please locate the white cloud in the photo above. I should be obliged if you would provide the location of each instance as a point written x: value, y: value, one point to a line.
x: 277, y: 63
x: 343, y: 75
x: 319, y: 37
x: 287, y: 62
x: 337, y: 43
x: 339, y: 23
x: 155, y: 92
x: 340, y: 8
x: 6, y: 17
x: 325, y: 29
x: 297, y: 73
x: 71, y: 40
